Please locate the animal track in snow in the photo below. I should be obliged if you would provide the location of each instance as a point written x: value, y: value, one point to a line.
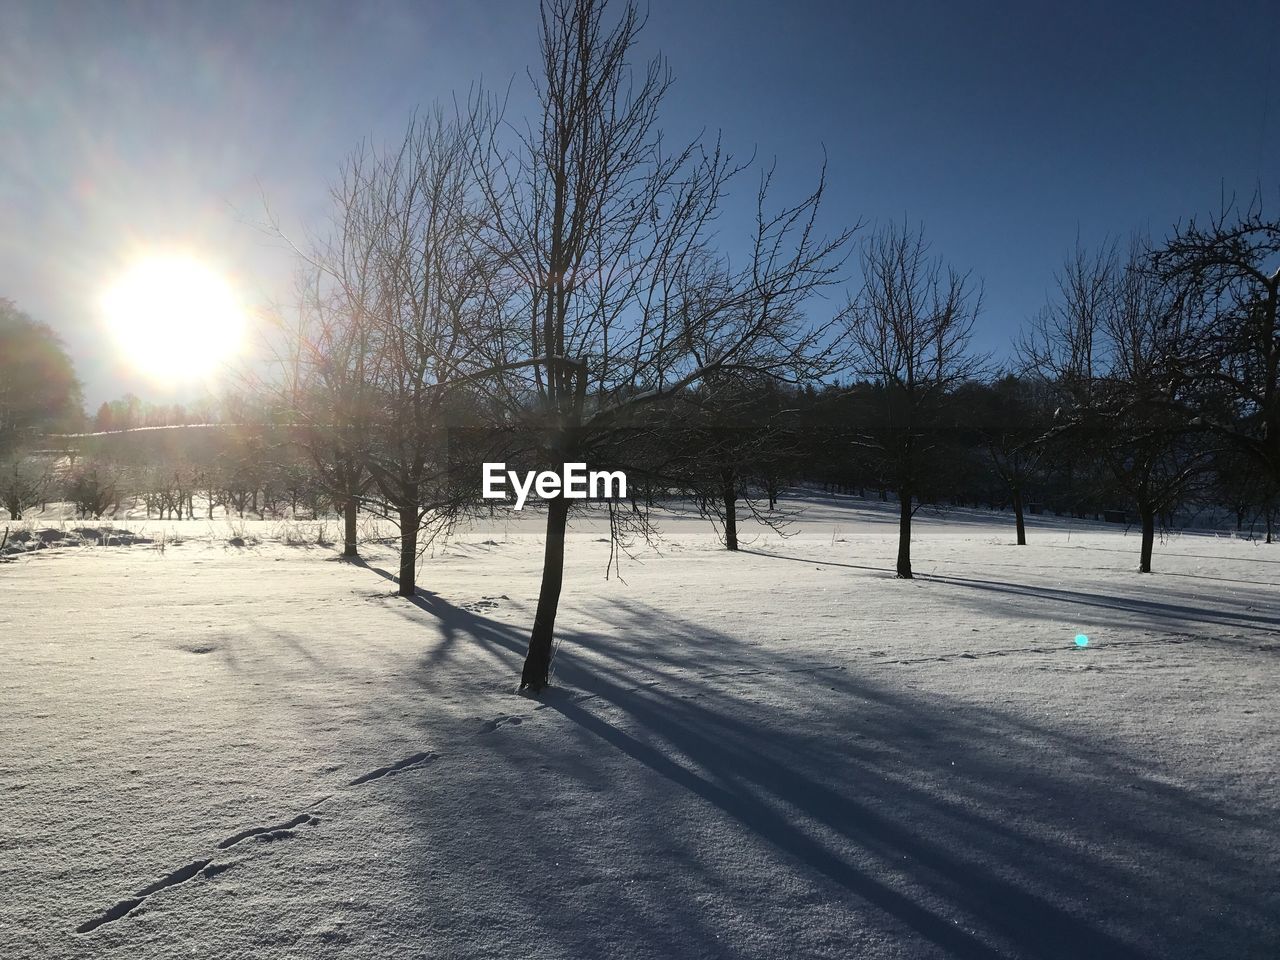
x: 484, y: 603
x: 125, y: 907
x: 181, y: 875
x: 203, y: 868
x: 501, y: 720
x: 279, y: 828
x: 408, y: 763
x: 121, y: 909
x: 198, y: 648
x: 208, y: 868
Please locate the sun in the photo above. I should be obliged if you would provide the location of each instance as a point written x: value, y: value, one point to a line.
x: 174, y: 317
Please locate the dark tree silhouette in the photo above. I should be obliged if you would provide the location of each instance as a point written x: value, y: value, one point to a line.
x: 1226, y: 274
x: 604, y: 232
x: 908, y: 333
x: 23, y: 482
x: 1110, y: 343
x: 396, y: 298
x: 38, y: 387
x: 1011, y: 416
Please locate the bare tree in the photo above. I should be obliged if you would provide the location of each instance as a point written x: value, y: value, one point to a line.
x: 908, y: 332
x: 93, y: 488
x: 1110, y: 344
x: 396, y: 300
x: 1013, y: 414
x: 24, y: 481
x: 619, y: 303
x: 1147, y: 440
x: 1226, y: 274
x: 327, y: 353
x: 736, y: 440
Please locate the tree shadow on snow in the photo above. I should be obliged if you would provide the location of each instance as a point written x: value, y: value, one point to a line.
x: 1141, y: 612
x: 954, y: 828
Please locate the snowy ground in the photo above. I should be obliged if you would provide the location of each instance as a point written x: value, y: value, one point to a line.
x: 780, y: 753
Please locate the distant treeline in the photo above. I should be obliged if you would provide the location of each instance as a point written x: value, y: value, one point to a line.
x: 997, y: 444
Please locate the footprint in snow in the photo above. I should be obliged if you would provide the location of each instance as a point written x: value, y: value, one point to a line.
x: 491, y: 725
x: 198, y: 648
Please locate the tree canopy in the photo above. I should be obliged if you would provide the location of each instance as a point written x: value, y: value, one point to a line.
x: 38, y: 386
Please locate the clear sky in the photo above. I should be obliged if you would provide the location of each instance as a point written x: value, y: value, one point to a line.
x: 1008, y: 129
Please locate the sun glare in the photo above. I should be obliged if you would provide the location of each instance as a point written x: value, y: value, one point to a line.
x: 174, y: 318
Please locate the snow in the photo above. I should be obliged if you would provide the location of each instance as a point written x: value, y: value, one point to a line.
x: 780, y: 753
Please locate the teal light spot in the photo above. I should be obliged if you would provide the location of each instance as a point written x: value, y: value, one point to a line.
x: 1081, y: 640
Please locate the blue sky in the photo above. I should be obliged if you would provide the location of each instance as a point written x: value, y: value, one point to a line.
x: 1007, y: 129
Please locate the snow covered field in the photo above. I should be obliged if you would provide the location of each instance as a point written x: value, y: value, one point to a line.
x: 227, y: 752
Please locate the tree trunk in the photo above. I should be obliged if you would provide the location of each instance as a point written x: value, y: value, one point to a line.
x: 349, y: 528
x: 1017, y: 517
x: 1148, y: 537
x: 904, y: 535
x: 537, y: 664
x: 409, y: 551
x: 729, y: 492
